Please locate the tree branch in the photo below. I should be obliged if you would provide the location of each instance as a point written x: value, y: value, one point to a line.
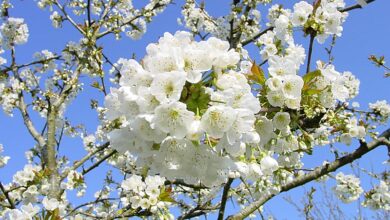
x: 62, y: 8
x: 312, y: 36
x: 51, y: 154
x: 11, y: 203
x: 28, y: 122
x: 89, y: 12
x: 224, y: 198
x: 248, y: 41
x: 317, y: 173
x: 357, y: 6
x: 85, y: 158
x: 99, y: 162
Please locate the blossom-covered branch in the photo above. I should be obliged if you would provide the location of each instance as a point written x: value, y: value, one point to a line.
x: 364, y: 148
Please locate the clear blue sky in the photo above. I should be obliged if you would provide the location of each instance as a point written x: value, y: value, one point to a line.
x: 365, y: 32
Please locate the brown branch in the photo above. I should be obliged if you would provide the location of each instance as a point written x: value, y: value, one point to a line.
x: 357, y: 6
x: 104, y: 33
x: 248, y: 41
x: 99, y: 162
x: 182, y: 183
x: 28, y: 122
x: 225, y: 195
x: 318, y: 172
x: 90, y: 203
x: 11, y: 203
x: 50, y: 156
x: 80, y: 162
x: 89, y: 13
x: 312, y: 36
x: 30, y: 64
x: 199, y: 211
x: 62, y: 9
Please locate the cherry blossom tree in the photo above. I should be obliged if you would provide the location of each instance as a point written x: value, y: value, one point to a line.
x: 194, y: 123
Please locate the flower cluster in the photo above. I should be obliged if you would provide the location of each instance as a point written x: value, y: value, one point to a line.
x: 381, y: 108
x: 348, y: 187
x: 3, y: 159
x: 148, y: 194
x: 378, y: 197
x: 324, y: 19
x: 13, y: 31
x: 75, y: 181
x: 122, y: 16
x: 26, y: 212
x: 196, y: 19
x: 53, y: 208
x: 171, y: 120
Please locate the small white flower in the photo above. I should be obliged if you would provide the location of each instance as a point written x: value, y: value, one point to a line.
x: 167, y: 87
x: 281, y: 120
x: 276, y: 98
x: 268, y: 165
x: 173, y: 118
x: 292, y: 86
x: 144, y: 203
x: 217, y: 120
x: 50, y: 204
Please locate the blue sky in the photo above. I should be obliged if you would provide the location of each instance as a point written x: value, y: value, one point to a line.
x: 365, y: 32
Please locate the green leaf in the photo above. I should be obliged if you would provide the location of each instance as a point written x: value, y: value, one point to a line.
x: 313, y: 91
x: 166, y: 196
x: 95, y: 84
x: 311, y: 75
x: 257, y: 74
x: 309, y: 78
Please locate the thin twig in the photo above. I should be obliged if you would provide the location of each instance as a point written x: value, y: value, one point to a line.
x: 11, y: 203
x: 225, y: 195
x: 85, y: 158
x: 89, y: 12
x: 312, y: 36
x: 99, y: 162
x: 357, y: 6
x: 248, y: 41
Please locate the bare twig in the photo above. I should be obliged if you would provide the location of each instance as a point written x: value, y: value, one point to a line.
x: 85, y: 158
x: 312, y: 36
x: 11, y: 203
x: 357, y: 6
x: 99, y: 162
x: 248, y: 41
x: 89, y: 13
x: 225, y: 195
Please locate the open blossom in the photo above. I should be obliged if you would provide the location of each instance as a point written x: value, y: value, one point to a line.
x: 281, y: 120
x: 378, y: 197
x: 144, y: 193
x: 281, y: 66
x: 381, y: 107
x: 302, y: 10
x: 165, y: 112
x: 217, y: 120
x: 348, y: 187
x: 167, y: 87
x: 292, y: 86
x: 173, y: 118
x: 13, y: 31
x: 269, y: 165
x: 26, y: 212
x: 50, y: 204
x: 3, y: 159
